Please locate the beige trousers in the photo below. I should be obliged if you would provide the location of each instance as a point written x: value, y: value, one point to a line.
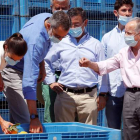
x: 68, y: 104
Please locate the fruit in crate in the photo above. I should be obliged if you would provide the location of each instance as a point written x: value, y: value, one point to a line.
x: 23, y: 132
x: 13, y: 128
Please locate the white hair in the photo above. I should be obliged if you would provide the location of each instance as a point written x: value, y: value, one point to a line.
x: 137, y: 19
x: 51, y: 1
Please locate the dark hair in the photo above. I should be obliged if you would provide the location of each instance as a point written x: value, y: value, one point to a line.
x: 16, y: 44
x: 60, y: 18
x: 77, y: 12
x: 120, y: 3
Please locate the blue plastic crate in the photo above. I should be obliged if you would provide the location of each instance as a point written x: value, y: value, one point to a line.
x: 108, y: 25
x: 90, y: 5
x: 66, y: 131
x: 45, y: 3
x: 100, y: 120
x: 9, y: 7
x: 109, y: 5
x: 94, y: 28
x: 2, y: 98
x: 8, y: 26
x: 6, y: 115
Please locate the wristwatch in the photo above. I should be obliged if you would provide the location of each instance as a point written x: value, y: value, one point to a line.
x: 33, y: 116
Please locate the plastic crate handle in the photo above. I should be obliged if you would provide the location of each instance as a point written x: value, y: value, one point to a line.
x: 55, y: 137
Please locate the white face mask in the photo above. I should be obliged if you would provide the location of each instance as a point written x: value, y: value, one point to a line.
x: 52, y: 37
x: 124, y: 20
x: 11, y: 61
x: 130, y: 40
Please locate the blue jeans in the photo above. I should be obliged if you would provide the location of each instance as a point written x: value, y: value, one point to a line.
x: 114, y: 108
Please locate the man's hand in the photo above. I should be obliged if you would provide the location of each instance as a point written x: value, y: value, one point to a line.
x: 5, y: 125
x: 1, y: 83
x: 35, y: 126
x: 57, y: 87
x: 101, y: 102
x: 84, y: 62
x: 42, y: 72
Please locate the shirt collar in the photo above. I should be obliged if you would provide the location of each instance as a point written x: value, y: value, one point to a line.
x: 117, y: 27
x: 85, y: 37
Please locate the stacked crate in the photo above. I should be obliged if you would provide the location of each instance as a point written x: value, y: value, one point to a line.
x: 15, y: 13
x: 100, y: 15
x: 9, y: 18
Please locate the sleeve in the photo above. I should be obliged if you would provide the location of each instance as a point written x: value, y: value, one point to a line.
x: 30, y: 72
x: 102, y: 80
x: 110, y: 64
x: 50, y: 59
x: 103, y: 42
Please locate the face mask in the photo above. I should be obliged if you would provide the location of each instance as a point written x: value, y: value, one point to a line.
x: 76, y: 32
x: 52, y: 37
x: 130, y: 41
x: 65, y: 11
x: 124, y: 20
x: 11, y: 61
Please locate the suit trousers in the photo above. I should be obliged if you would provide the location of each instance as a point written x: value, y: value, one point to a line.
x: 131, y: 115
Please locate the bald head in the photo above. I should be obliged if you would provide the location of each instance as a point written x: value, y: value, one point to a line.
x: 57, y: 5
x: 133, y: 26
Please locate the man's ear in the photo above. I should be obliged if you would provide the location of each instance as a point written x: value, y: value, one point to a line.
x: 115, y: 13
x: 48, y: 25
x: 86, y: 22
x: 5, y: 47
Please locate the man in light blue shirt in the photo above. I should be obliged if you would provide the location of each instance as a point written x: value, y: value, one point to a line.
x: 44, y: 94
x: 77, y: 87
x: 113, y: 42
x: 38, y: 32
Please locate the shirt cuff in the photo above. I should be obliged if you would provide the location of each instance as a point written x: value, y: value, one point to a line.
x: 103, y: 89
x: 30, y: 95
x: 102, y: 68
x: 50, y: 80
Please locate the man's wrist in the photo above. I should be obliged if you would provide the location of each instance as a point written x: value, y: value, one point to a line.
x: 103, y: 94
x: 33, y: 116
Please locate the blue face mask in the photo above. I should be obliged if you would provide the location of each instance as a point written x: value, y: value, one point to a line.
x: 11, y: 61
x: 130, y: 41
x: 76, y: 32
x: 65, y: 11
x: 124, y: 20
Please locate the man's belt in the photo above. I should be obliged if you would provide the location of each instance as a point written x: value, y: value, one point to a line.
x: 134, y: 89
x: 79, y: 91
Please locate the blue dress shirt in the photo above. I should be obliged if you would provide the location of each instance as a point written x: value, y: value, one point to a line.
x: 38, y: 42
x: 113, y: 42
x: 69, y: 52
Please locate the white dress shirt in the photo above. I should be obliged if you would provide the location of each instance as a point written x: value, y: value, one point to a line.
x: 113, y: 42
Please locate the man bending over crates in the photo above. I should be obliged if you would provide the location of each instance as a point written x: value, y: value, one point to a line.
x: 77, y: 87
x: 38, y: 32
x: 112, y: 43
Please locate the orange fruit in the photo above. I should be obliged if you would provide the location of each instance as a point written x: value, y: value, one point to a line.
x: 13, y: 132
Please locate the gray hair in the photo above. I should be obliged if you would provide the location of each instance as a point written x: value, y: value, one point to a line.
x: 137, y: 19
x: 51, y: 1
x: 58, y: 19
